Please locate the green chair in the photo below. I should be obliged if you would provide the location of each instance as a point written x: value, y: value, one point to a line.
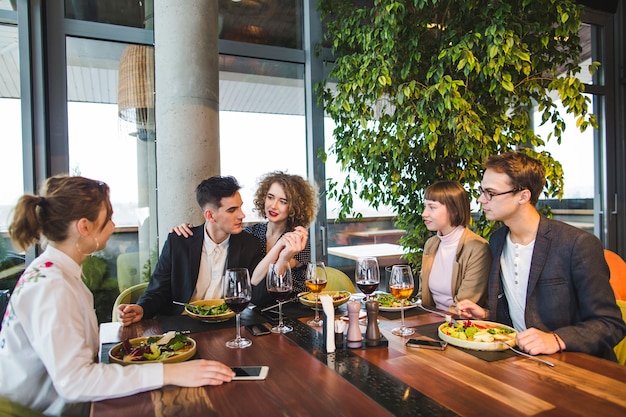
x: 128, y: 270
x: 128, y: 296
x: 10, y: 408
x: 338, y: 281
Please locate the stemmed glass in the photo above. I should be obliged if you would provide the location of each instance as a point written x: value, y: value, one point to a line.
x: 279, y: 285
x: 367, y: 275
x: 316, y: 281
x: 237, y: 296
x: 401, y: 285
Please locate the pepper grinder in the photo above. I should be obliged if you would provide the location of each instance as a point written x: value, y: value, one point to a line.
x: 354, y: 335
x: 372, y: 333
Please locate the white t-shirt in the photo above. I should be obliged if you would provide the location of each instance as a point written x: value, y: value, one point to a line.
x: 49, y: 341
x: 515, y: 266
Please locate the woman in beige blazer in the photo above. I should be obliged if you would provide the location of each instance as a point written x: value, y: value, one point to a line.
x: 456, y: 261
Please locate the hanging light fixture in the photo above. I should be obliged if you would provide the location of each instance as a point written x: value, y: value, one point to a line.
x: 135, y: 94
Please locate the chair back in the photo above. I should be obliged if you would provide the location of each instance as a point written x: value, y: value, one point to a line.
x: 338, y: 281
x: 128, y: 296
x: 617, y: 267
x: 620, y: 348
x: 128, y: 270
x: 10, y: 408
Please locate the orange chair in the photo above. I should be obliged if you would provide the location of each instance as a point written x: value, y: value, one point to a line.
x: 617, y: 266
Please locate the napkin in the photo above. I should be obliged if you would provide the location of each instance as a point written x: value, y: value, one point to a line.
x: 329, y: 322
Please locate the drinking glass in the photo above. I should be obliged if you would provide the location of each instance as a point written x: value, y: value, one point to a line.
x: 237, y: 296
x: 316, y: 281
x: 279, y: 285
x: 401, y: 285
x: 367, y: 275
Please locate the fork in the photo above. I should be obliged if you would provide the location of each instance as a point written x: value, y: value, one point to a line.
x: 448, y: 317
x: 519, y: 352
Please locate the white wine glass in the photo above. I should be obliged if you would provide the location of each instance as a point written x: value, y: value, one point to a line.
x: 401, y: 285
x: 279, y: 285
x: 367, y: 275
x: 316, y: 281
x: 237, y: 296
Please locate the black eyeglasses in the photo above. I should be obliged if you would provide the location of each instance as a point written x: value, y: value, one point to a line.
x: 490, y: 194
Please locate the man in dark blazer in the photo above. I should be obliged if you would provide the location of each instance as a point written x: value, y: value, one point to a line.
x: 176, y: 276
x: 548, y: 279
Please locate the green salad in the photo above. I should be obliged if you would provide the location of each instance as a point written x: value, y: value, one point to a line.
x: 207, y: 310
x: 388, y: 300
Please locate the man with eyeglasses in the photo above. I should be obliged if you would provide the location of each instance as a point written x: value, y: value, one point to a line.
x: 548, y: 279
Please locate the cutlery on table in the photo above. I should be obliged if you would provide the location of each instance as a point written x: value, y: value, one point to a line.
x: 276, y: 305
x: 448, y: 317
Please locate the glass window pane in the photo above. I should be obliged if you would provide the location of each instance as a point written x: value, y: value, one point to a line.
x: 117, y: 12
x: 266, y: 22
x: 262, y: 126
x: 8, y: 4
x: 11, y: 121
x: 11, y: 165
x: 576, y: 155
x: 111, y: 138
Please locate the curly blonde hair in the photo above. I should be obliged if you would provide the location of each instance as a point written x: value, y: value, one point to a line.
x: 301, y: 196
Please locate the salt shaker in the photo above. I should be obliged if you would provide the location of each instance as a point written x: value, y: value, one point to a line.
x: 372, y: 332
x: 354, y: 330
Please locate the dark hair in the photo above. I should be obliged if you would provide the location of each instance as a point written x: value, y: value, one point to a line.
x: 212, y: 190
x: 452, y: 195
x: 301, y: 197
x: 525, y: 172
x: 63, y: 199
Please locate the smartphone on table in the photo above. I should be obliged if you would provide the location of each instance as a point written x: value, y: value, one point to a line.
x: 258, y: 329
x: 250, y: 373
x: 427, y: 344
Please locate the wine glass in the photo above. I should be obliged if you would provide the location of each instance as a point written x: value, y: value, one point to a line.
x: 279, y: 285
x: 237, y: 296
x: 367, y: 275
x: 316, y: 281
x: 401, y: 285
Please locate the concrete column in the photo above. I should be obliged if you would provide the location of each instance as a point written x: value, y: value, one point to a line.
x: 186, y: 106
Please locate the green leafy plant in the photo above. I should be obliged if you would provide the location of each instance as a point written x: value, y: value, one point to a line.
x: 425, y: 90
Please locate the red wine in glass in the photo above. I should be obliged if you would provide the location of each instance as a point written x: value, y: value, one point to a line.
x: 237, y: 304
x: 280, y: 294
x: 367, y: 287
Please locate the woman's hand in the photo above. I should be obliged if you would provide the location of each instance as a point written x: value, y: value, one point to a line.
x: 183, y: 229
x: 196, y: 373
x: 129, y: 313
x: 470, y: 310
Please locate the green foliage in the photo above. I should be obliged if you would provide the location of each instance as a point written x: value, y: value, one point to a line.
x: 94, y: 270
x: 425, y: 90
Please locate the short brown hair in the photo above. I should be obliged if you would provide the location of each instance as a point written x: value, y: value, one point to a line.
x: 524, y: 171
x: 456, y: 199
x: 301, y: 197
x: 62, y: 200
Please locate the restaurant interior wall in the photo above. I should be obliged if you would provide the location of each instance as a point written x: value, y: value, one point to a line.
x: 268, y: 58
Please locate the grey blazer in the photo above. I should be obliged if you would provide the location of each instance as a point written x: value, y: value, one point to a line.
x: 568, y: 289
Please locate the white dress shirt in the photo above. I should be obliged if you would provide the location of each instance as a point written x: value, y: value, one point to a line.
x: 212, y: 266
x: 49, y: 342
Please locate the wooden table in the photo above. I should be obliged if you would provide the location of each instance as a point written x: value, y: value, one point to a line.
x: 305, y: 381
x: 386, y: 253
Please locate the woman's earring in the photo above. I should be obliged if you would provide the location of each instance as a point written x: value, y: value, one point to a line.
x: 87, y: 253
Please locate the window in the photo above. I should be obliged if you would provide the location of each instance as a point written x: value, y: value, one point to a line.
x: 261, y: 122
